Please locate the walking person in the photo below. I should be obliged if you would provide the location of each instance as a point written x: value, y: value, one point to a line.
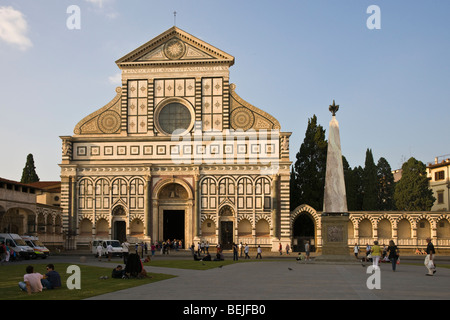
x: 246, y: 250
x: 287, y: 248
x: 280, y: 249
x: 376, y: 253
x: 394, y: 254
x: 356, y: 250
x: 429, y: 259
x: 258, y: 252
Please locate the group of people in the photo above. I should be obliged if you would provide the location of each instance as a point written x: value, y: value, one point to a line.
x: 377, y: 253
x: 34, y: 282
x: 287, y: 248
x: 6, y: 253
x: 238, y: 251
x: 239, y: 248
x: 391, y: 253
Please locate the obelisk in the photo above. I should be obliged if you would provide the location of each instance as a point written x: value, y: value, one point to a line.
x: 335, y: 214
x: 335, y: 198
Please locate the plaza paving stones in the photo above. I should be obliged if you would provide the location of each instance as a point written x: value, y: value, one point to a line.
x: 273, y: 280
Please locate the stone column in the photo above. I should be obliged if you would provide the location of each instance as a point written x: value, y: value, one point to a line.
x: 197, y: 210
x: 147, y: 197
x: 275, y: 179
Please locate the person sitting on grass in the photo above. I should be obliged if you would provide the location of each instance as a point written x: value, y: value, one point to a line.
x: 52, y: 279
x: 31, y: 281
x: 207, y: 257
x: 118, y: 272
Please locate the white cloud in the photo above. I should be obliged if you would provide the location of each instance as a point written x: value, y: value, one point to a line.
x: 105, y: 7
x: 116, y: 79
x: 98, y: 3
x: 13, y: 28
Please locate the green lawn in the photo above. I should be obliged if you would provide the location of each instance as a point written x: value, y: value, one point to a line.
x: 191, y: 264
x: 91, y: 284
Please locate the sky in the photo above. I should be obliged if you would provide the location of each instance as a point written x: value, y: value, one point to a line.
x: 387, y: 67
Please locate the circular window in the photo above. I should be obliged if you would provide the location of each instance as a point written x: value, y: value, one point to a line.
x: 174, y: 116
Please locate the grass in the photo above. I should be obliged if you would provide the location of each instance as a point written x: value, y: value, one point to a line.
x: 91, y: 284
x: 191, y: 264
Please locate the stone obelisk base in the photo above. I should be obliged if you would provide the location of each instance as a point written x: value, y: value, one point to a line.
x: 335, y: 240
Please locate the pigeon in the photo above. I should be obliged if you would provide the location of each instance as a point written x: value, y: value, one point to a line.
x: 290, y: 269
x: 220, y: 266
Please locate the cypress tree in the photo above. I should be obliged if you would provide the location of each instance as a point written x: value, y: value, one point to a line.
x: 385, y: 185
x: 370, y: 183
x: 29, y: 174
x: 310, y: 166
x: 351, y: 185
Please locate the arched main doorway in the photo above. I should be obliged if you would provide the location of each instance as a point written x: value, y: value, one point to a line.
x: 173, y: 211
x: 303, y: 231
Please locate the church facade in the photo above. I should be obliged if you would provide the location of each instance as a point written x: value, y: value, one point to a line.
x: 177, y: 154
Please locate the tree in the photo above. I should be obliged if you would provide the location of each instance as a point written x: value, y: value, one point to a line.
x: 310, y: 167
x: 370, y: 183
x: 352, y: 186
x: 385, y: 200
x: 29, y: 174
x: 412, y: 192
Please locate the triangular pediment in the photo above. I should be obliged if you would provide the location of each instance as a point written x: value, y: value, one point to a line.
x: 175, y: 46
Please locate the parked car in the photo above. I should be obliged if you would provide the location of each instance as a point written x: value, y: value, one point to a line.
x: 39, y: 249
x: 18, y: 245
x: 118, y: 250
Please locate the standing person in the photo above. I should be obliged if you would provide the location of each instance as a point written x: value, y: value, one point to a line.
x: 429, y: 259
x: 202, y: 247
x: 376, y: 253
x: 207, y: 247
x: 246, y: 250
x: 109, y: 248
x: 393, y: 254
x: 258, y: 252
x: 99, y: 251
x: 368, y: 249
x: 356, y: 250
x: 126, y: 249
x: 307, y: 251
x: 153, y: 249
x: 280, y: 248
x: 4, y: 252
x: 287, y: 248
x: 240, y: 249
x: 31, y: 281
x: 235, y: 252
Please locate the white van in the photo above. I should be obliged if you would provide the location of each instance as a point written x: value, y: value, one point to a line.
x: 118, y: 250
x: 39, y: 249
x: 15, y: 242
